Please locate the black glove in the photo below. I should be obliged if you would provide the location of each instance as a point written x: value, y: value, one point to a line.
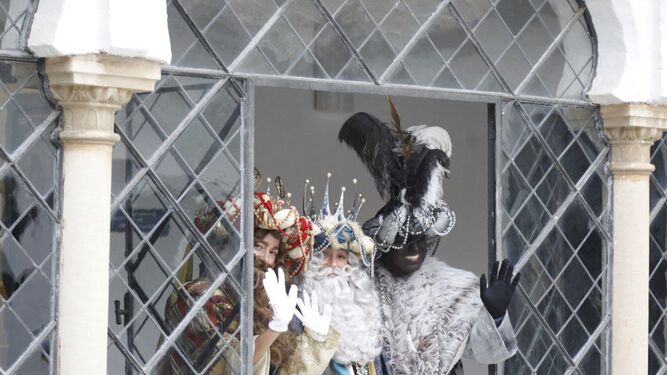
x: 498, y: 294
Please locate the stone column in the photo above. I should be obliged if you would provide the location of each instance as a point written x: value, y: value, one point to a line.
x: 631, y: 128
x: 89, y: 89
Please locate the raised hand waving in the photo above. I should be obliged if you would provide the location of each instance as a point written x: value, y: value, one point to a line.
x: 282, y: 303
x: 497, y: 295
x: 311, y: 317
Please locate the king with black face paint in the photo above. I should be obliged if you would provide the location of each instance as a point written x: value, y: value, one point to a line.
x: 406, y: 261
x: 433, y: 314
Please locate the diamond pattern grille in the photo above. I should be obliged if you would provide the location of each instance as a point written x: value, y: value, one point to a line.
x: 533, y: 48
x: 29, y: 218
x: 15, y: 16
x: 658, y: 262
x: 553, y: 208
x: 181, y: 152
x: 304, y: 42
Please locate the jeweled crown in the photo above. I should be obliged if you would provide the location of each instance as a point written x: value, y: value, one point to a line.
x: 338, y: 228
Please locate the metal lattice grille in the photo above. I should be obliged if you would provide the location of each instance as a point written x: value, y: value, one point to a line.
x: 180, y: 153
x: 521, y: 48
x: 29, y: 203
x: 554, y: 190
x: 658, y: 265
x: 554, y: 208
x: 15, y: 18
x: 29, y: 221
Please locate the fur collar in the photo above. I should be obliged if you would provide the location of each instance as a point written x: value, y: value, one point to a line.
x: 428, y: 316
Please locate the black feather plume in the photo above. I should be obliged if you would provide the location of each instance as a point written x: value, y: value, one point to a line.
x: 374, y: 143
x: 409, y: 167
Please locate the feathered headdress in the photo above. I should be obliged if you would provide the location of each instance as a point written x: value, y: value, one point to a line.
x: 338, y: 229
x: 409, y: 167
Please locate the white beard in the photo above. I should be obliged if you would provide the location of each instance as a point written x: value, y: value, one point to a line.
x: 355, y: 310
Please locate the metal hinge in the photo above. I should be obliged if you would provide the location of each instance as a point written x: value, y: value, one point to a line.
x: 123, y: 315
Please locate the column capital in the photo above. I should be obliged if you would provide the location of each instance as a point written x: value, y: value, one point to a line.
x: 631, y: 129
x: 92, y: 88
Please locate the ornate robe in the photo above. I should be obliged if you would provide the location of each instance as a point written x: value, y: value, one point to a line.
x: 311, y: 354
x: 434, y: 317
x: 201, y: 342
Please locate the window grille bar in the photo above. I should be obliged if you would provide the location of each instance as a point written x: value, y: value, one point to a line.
x: 199, y: 36
x: 411, y: 43
x: 348, y: 43
x: 233, y: 67
x: 545, y: 326
x: 551, y: 48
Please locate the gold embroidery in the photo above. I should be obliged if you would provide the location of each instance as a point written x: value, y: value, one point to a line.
x: 311, y: 356
x: 371, y: 369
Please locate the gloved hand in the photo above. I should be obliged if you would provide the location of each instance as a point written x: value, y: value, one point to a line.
x: 310, y: 315
x: 498, y: 295
x: 282, y: 303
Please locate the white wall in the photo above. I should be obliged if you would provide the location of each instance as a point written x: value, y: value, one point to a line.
x: 119, y: 27
x: 632, y: 46
x: 295, y: 141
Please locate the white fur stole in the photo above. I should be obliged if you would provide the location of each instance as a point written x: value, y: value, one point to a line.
x: 428, y: 316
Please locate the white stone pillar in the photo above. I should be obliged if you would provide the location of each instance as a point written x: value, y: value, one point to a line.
x: 631, y: 128
x: 89, y: 89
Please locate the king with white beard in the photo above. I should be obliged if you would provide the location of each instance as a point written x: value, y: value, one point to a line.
x: 338, y: 275
x: 338, y: 279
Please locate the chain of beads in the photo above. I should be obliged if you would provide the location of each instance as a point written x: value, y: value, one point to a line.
x: 366, y: 259
x: 318, y: 249
x: 360, y: 369
x: 278, y: 224
x: 385, y: 297
x: 420, y: 219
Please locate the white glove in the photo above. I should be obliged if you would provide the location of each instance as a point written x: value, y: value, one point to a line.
x: 311, y: 317
x: 282, y: 303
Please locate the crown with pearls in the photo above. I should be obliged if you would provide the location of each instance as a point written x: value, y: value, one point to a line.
x: 338, y: 229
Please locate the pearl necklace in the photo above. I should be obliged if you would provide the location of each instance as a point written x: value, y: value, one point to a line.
x: 421, y: 220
